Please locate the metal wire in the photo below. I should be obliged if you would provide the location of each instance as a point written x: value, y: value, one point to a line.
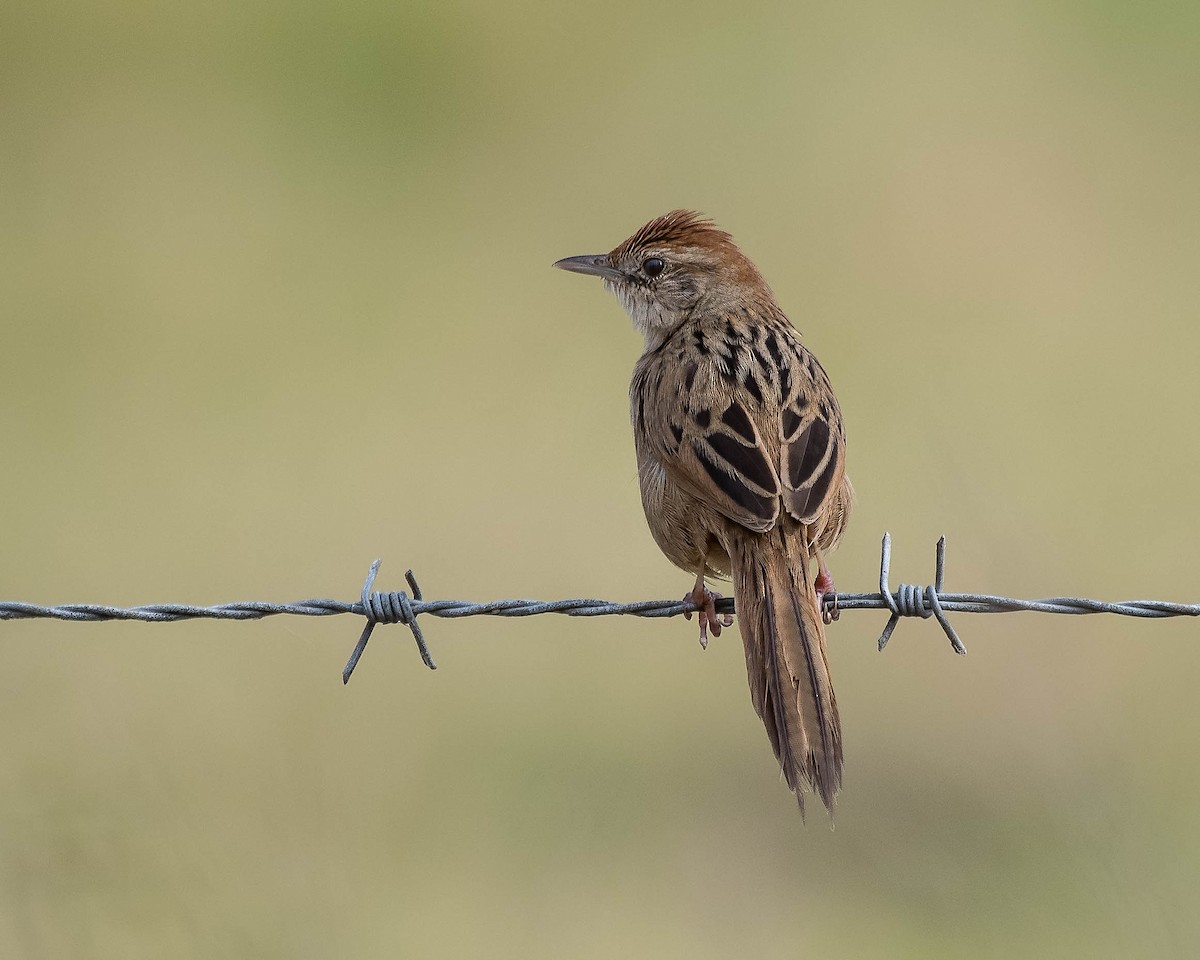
x: 401, y: 607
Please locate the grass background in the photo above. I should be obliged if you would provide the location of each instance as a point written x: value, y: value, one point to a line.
x: 275, y: 300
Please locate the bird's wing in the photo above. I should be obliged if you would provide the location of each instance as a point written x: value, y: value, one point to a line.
x: 742, y: 424
x: 703, y: 425
x: 812, y: 437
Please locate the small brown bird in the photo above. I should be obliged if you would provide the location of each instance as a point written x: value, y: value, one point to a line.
x: 741, y: 459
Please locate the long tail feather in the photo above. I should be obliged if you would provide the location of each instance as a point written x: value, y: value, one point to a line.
x: 785, y: 660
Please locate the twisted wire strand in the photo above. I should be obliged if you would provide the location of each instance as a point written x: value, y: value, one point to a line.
x: 402, y: 607
x: 449, y: 609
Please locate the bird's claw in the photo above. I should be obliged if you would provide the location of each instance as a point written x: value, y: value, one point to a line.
x: 706, y: 604
x: 827, y: 598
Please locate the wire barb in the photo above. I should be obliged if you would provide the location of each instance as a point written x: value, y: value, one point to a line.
x: 392, y: 607
x: 910, y: 601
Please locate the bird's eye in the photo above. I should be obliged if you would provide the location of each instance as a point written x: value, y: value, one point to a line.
x: 653, y: 266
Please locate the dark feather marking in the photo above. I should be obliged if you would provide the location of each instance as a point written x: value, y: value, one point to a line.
x: 701, y: 343
x: 806, y: 454
x: 791, y: 423
x: 750, y: 382
x: 785, y: 382
x: 749, y: 461
x: 820, y: 486
x: 736, y: 420
x: 762, y: 507
x: 677, y: 433
x: 703, y: 418
x: 772, y: 346
x: 689, y: 377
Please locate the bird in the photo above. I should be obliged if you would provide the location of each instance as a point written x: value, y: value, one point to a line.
x: 741, y: 457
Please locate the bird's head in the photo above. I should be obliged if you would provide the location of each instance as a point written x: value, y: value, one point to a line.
x: 673, y: 265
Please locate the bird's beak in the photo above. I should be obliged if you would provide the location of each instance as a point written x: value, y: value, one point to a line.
x: 594, y: 265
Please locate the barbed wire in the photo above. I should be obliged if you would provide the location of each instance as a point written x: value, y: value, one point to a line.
x: 399, y: 606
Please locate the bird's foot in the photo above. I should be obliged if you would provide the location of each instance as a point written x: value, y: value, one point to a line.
x: 827, y: 600
x: 706, y: 602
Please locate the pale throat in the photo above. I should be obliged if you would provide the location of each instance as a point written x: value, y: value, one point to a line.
x: 654, y: 321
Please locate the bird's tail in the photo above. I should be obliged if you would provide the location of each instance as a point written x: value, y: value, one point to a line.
x: 785, y: 659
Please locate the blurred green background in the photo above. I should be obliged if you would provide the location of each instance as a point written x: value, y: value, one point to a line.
x: 276, y: 300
